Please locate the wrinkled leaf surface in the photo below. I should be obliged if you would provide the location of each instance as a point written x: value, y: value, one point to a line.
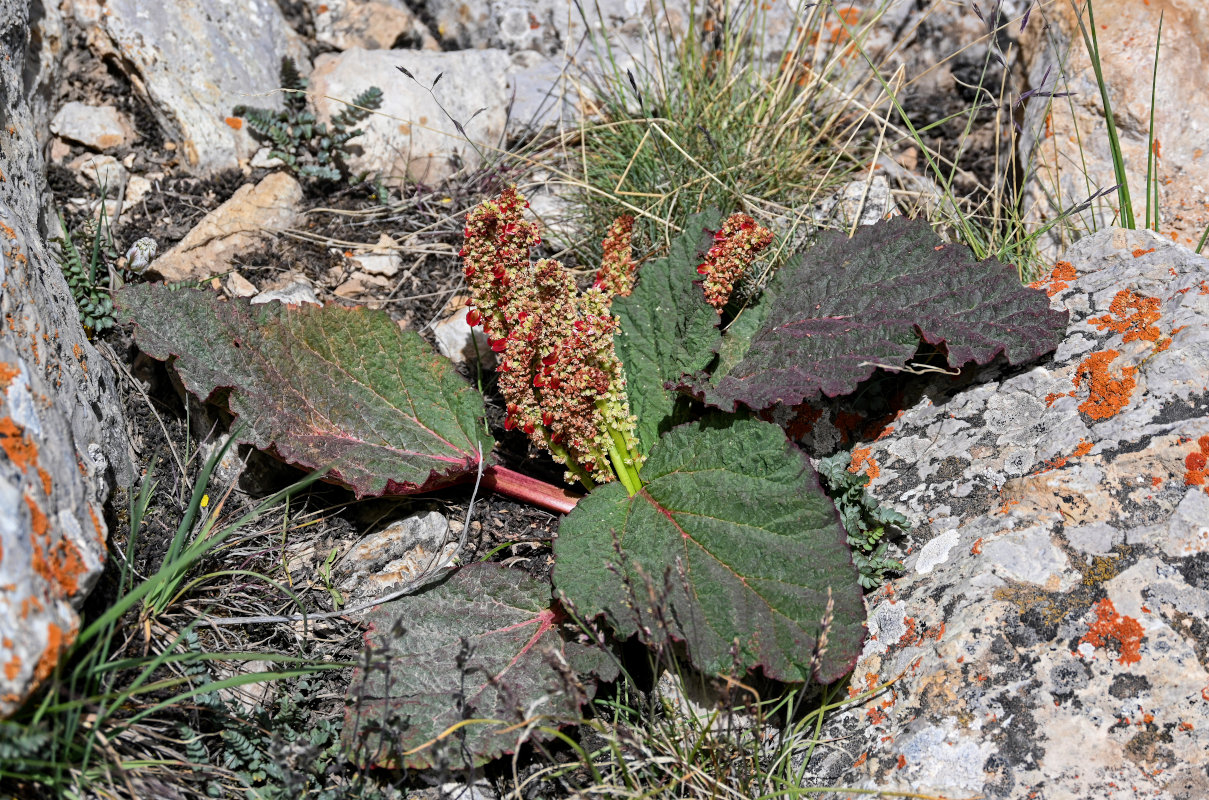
x: 462, y: 673
x: 320, y: 386
x: 734, y: 535
x: 667, y: 328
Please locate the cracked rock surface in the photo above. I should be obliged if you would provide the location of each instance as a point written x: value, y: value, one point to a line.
x: 1049, y: 635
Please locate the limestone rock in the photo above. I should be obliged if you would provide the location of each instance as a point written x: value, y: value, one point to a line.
x: 382, y: 259
x: 551, y: 26
x: 193, y: 61
x: 370, y: 24
x: 1049, y: 629
x: 1064, y: 138
x: 401, y: 552
x: 291, y: 289
x: 95, y: 127
x: 232, y: 228
x: 239, y: 286
x: 459, y: 342
x: 412, y: 135
x: 540, y: 93
x: 62, y: 434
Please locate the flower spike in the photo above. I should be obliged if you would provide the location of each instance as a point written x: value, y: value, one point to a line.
x: 735, y: 246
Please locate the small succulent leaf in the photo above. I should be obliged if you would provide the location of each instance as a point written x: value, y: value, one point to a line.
x: 667, y: 328
x: 320, y: 385
x: 849, y: 305
x: 489, y: 636
x: 737, y: 542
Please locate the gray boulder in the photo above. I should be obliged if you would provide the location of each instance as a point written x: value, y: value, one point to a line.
x: 1048, y: 636
x: 193, y: 61
x: 62, y: 434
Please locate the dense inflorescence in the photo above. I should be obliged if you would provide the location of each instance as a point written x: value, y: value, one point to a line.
x: 735, y: 246
x: 559, y: 375
x: 616, y: 273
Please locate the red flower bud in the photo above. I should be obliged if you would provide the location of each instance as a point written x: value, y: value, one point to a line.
x: 497, y: 345
x: 547, y: 419
x: 551, y: 359
x: 462, y: 253
x: 528, y: 428
x: 554, y: 382
x: 473, y: 317
x: 509, y: 423
x: 702, y: 269
x: 539, y: 381
x: 468, y: 272
x: 719, y: 236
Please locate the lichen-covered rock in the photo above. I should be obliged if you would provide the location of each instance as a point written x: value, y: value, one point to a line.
x: 62, y: 435
x: 1065, y: 142
x: 1049, y: 632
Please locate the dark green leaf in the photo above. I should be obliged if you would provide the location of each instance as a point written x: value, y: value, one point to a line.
x: 736, y: 541
x: 483, y: 646
x: 320, y: 386
x: 667, y: 328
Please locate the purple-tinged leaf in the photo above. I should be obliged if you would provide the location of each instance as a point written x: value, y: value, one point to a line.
x: 464, y: 672
x: 320, y: 386
x: 731, y: 547
x: 849, y: 306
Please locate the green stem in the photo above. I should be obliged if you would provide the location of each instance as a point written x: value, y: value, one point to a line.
x: 576, y: 470
x: 628, y: 461
x: 619, y: 466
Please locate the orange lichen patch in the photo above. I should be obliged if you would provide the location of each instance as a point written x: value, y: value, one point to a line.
x: 96, y: 526
x: 1155, y: 480
x: 1003, y: 509
x: 47, y: 483
x: 234, y: 122
x: 976, y: 549
x: 1058, y: 279
x: 837, y: 32
x: 1135, y: 316
x: 1194, y: 463
x: 1083, y: 449
x: 876, y: 716
x: 1109, y: 625
x: 7, y: 373
x: 12, y: 667
x: 1107, y: 394
x: 902, y: 762
x: 20, y: 448
x: 1204, y: 287
x: 862, y: 459
x: 864, y: 756
x: 1140, y: 252
x: 56, y: 643
x: 805, y: 415
x: 1051, y: 397
x: 61, y: 565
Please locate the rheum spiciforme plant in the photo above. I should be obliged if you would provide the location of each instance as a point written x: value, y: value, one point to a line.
x: 559, y: 374
x: 705, y: 525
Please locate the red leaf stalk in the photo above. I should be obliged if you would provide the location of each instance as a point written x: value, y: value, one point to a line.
x: 529, y: 490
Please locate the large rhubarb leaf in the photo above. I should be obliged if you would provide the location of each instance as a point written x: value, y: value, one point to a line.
x: 466, y: 671
x: 320, y: 386
x: 849, y: 306
x: 667, y: 328
x: 731, y: 547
